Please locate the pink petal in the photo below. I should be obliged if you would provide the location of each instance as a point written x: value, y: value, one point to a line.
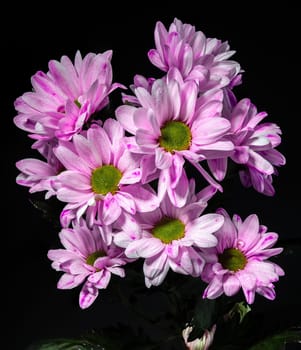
x: 174, y: 95
x: 111, y: 209
x: 65, y: 78
x: 161, y: 36
x: 144, y: 197
x: 74, y: 196
x: 149, y: 170
x: 100, y: 142
x: 207, y: 177
x: 264, y: 271
x: 259, y: 163
x: 155, y: 269
x: 267, y: 292
x: 146, y: 140
x: 70, y: 160
x: 275, y: 157
x: 191, y: 211
x: 114, y: 131
x: 241, y: 154
x: 163, y: 183
x: 144, y: 98
x: 201, y: 229
x: 131, y: 176
x: 75, y: 180
x: 211, y: 109
x: 226, y: 235
x: 231, y: 285
x: 163, y: 104
x: 239, y: 114
x: 218, y: 167
x: 267, y: 240
x: 123, y: 239
x: 124, y: 115
x: 87, y: 295
x: 145, y: 119
x: 126, y: 201
x: 156, y: 60
x: 61, y: 255
x: 206, y: 131
x: 248, y: 231
x: 206, y: 194
x: 118, y: 271
x: 248, y: 283
x: 31, y: 166
x: 69, y: 281
x: 214, y: 289
x: 163, y: 159
x: 85, y: 151
x: 188, y: 99
x: 144, y: 248
x: 103, y: 282
x: 176, y: 171
x: 178, y: 195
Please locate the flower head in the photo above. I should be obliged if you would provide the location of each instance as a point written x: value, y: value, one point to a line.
x: 167, y: 237
x: 240, y: 260
x: 65, y: 97
x: 101, y: 176
x: 88, y: 257
x: 205, y: 60
x: 172, y: 124
x: 254, y: 147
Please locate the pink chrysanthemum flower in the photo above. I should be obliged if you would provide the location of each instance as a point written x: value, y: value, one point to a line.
x: 89, y: 257
x: 172, y: 124
x: 169, y: 235
x: 101, y: 177
x: 203, y: 59
x: 240, y: 260
x: 255, y: 145
x: 66, y: 96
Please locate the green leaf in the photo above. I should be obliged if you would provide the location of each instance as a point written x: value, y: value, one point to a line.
x: 66, y: 344
x: 239, y: 309
x: 92, y: 341
x: 278, y: 341
x: 205, y: 316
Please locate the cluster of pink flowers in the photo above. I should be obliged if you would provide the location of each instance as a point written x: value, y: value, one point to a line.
x: 128, y: 194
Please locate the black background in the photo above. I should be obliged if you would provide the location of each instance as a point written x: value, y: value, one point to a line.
x: 266, y: 41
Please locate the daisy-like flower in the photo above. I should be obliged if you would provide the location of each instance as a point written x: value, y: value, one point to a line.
x: 240, y: 260
x: 204, y: 59
x: 101, y: 177
x: 88, y: 257
x: 254, y: 150
x: 169, y: 235
x: 172, y: 124
x: 64, y: 98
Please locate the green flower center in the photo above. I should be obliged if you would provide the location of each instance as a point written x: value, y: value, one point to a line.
x: 94, y: 256
x: 232, y: 259
x: 105, y: 179
x: 168, y: 230
x: 175, y: 136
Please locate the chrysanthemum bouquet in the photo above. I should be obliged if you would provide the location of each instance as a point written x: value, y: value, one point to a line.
x: 139, y: 175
